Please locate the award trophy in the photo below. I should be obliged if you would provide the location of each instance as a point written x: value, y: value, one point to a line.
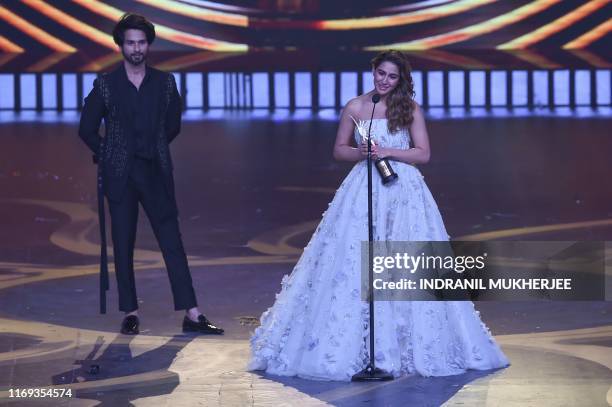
x: 382, y: 164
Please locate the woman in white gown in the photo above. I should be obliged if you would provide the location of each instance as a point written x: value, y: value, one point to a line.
x: 318, y: 325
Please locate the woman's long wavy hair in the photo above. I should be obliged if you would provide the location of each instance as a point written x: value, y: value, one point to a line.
x: 400, y: 102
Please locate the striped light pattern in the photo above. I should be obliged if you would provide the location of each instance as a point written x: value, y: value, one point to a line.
x: 451, y: 58
x: 47, y: 62
x: 34, y: 32
x: 402, y: 19
x: 198, y: 13
x: 532, y: 23
x: 103, y: 62
x: 534, y: 58
x: 165, y: 32
x: 472, y: 31
x: 591, y: 36
x: 72, y: 23
x: 590, y: 58
x: 556, y: 26
x: 8, y: 46
x: 6, y: 57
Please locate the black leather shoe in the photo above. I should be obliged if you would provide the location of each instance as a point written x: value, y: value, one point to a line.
x: 203, y: 326
x: 129, y: 326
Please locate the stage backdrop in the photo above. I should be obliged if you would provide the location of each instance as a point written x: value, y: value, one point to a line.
x: 315, y: 53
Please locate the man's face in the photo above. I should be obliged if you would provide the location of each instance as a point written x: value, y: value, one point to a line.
x: 135, y: 47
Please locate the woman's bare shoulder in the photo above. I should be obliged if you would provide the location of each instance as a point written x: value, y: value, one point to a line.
x: 356, y: 105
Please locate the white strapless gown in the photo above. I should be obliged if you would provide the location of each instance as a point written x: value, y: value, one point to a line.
x: 318, y: 325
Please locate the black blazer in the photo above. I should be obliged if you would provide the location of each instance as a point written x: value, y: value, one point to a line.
x: 114, y: 152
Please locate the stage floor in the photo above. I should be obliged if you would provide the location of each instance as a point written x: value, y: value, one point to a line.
x: 251, y: 190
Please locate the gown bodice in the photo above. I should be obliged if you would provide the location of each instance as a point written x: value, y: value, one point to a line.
x: 382, y: 137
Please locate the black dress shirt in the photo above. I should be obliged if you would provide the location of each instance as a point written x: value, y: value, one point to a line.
x: 140, y: 104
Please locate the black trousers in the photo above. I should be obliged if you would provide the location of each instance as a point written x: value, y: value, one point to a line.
x: 145, y: 185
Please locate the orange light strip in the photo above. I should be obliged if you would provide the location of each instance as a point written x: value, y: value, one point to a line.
x: 34, y: 32
x: 450, y: 58
x: 7, y: 57
x: 8, y: 46
x: 191, y: 59
x: 197, y: 41
x: 560, y: 24
x: 586, y: 39
x: 401, y: 19
x: 533, y: 58
x: 198, y: 13
x: 103, y: 62
x: 165, y: 32
x: 72, y: 23
x: 214, y: 5
x: 592, y: 59
x: 48, y: 62
x: 472, y: 31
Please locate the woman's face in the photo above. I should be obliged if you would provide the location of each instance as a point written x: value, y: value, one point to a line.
x: 386, y: 77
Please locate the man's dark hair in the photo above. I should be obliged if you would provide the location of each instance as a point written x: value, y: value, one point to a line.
x: 133, y: 22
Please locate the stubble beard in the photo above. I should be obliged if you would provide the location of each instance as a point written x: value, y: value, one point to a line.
x: 134, y: 58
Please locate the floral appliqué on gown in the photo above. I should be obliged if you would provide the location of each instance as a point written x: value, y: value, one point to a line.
x: 318, y: 326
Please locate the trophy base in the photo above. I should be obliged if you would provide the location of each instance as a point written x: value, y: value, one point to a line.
x: 389, y: 179
x: 372, y: 374
x: 386, y: 172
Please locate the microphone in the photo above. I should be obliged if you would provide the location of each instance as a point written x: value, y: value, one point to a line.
x: 382, y: 164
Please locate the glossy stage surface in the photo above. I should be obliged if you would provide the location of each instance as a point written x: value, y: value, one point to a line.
x: 251, y: 188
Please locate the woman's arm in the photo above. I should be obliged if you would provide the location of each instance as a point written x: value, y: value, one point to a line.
x: 419, y: 153
x: 343, y: 151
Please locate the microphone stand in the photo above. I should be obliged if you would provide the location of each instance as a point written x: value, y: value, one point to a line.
x: 371, y: 372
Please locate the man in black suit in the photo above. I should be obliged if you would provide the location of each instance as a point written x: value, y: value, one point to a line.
x: 141, y: 108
